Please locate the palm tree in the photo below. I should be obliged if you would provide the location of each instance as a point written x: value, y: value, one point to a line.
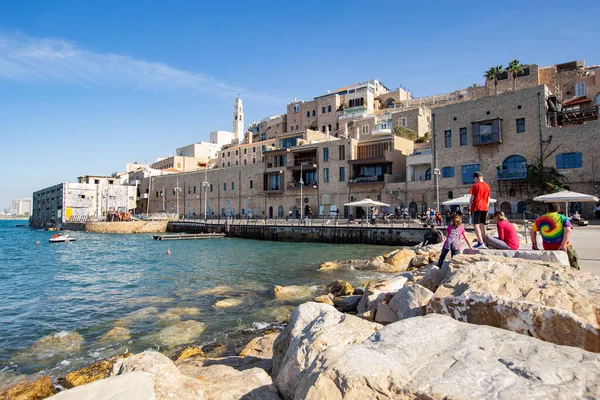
x: 515, y: 68
x: 492, y: 74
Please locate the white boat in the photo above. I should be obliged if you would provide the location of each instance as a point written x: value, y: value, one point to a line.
x: 61, y: 239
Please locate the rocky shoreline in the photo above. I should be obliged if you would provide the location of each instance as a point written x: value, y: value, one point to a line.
x: 482, y: 326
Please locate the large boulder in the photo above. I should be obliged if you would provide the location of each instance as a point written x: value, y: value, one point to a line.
x: 545, y: 300
x: 168, y: 382
x: 33, y: 387
x: 92, y: 372
x: 554, y: 256
x: 378, y: 264
x: 222, y: 382
x: 340, y: 288
x: 367, y: 306
x: 261, y: 347
x: 313, y: 328
x: 410, y: 301
x: 191, y: 366
x: 431, y: 276
x: 347, y: 303
x: 325, y: 299
x: 420, y: 260
x: 132, y: 386
x: 436, y: 357
x: 401, y: 259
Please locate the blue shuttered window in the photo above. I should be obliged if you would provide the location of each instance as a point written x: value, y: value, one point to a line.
x: 467, y: 172
x: 568, y: 160
x: 448, y: 172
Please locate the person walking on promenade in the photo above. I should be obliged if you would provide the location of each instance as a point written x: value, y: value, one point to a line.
x: 480, y: 198
x: 555, y: 230
x: 508, y: 238
x: 454, y: 232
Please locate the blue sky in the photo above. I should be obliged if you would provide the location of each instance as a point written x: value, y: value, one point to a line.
x: 86, y: 86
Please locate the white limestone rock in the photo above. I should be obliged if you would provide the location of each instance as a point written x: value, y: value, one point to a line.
x: 313, y: 328
x: 436, y: 357
x: 410, y: 301
x: 132, y: 386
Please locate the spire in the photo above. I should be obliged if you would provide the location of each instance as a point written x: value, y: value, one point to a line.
x: 238, y: 118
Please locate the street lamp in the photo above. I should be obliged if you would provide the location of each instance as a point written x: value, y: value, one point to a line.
x: 301, y: 185
x: 177, y: 189
x: 205, y: 185
x: 437, y: 173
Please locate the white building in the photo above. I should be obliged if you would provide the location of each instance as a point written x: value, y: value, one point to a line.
x: 21, y: 207
x: 88, y: 199
x: 203, y: 151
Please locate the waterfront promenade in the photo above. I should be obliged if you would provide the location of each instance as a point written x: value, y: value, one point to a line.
x: 585, y: 242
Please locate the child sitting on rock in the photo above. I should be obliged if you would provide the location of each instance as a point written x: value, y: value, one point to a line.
x: 452, y: 243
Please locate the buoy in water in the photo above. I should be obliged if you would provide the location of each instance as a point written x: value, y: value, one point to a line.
x: 168, y: 251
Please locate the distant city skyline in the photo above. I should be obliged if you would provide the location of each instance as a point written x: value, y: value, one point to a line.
x: 87, y: 87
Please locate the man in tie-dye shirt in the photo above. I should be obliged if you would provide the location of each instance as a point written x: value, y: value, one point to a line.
x: 555, y: 230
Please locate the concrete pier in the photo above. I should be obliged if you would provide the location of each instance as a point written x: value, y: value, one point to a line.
x: 351, y: 234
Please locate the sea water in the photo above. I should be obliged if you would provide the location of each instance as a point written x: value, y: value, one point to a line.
x: 82, y: 290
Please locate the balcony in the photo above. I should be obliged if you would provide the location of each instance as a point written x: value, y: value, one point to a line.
x: 273, y: 190
x: 306, y: 163
x: 306, y: 186
x: 367, y: 180
x: 511, y: 175
x: 419, y: 159
x: 573, y: 117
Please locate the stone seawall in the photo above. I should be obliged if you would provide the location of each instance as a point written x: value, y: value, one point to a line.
x: 119, y: 227
x: 322, y: 234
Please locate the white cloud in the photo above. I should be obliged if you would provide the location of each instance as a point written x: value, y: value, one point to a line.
x: 35, y: 60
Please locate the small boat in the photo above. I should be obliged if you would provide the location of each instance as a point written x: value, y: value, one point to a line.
x: 61, y: 238
x: 189, y: 236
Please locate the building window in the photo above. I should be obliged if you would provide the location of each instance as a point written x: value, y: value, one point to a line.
x: 245, y: 151
x: 211, y: 188
x: 568, y: 160
x: 448, y: 172
x: 232, y: 185
x: 467, y: 171
x: 342, y: 174
x: 520, y: 125
x: 329, y: 126
x: 328, y: 108
x: 342, y: 150
x: 314, y: 113
x: 325, y: 154
x: 307, y: 114
x: 365, y: 129
x: 325, y: 175
x: 487, y: 132
x: 194, y: 189
x: 296, y: 127
x: 322, y: 110
x: 463, y: 136
x: 323, y: 129
x: 447, y: 139
x: 402, y: 121
x: 224, y: 187
x: 296, y: 108
x: 580, y: 89
x: 254, y: 149
x: 428, y: 174
x: 251, y: 183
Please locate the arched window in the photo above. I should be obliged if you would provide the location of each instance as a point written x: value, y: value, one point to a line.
x: 428, y: 175
x: 332, y: 209
x: 450, y: 195
x: 506, y: 208
x: 412, y: 207
x: 521, y: 207
x: 270, y: 212
x: 328, y: 108
x: 390, y: 103
x: 280, y: 211
x: 514, y: 167
x: 323, y: 110
x: 362, y: 101
x: 424, y: 207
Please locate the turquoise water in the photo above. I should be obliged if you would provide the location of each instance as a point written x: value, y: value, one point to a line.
x: 102, y: 281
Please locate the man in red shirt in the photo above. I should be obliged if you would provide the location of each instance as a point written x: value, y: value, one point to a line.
x: 480, y: 198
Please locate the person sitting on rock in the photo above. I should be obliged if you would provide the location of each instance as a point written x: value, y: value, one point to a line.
x: 555, y: 229
x: 508, y: 238
x: 452, y: 244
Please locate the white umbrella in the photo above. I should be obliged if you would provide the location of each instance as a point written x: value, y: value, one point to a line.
x: 565, y: 196
x: 462, y: 201
x: 366, y: 203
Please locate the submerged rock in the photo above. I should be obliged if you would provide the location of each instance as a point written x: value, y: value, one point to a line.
x: 274, y: 314
x: 177, y: 313
x: 217, y: 290
x: 437, y: 357
x: 143, y: 314
x: 294, y: 292
x: 57, y: 344
x: 228, y: 303
x: 116, y: 335
x: 180, y: 333
x: 34, y: 387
